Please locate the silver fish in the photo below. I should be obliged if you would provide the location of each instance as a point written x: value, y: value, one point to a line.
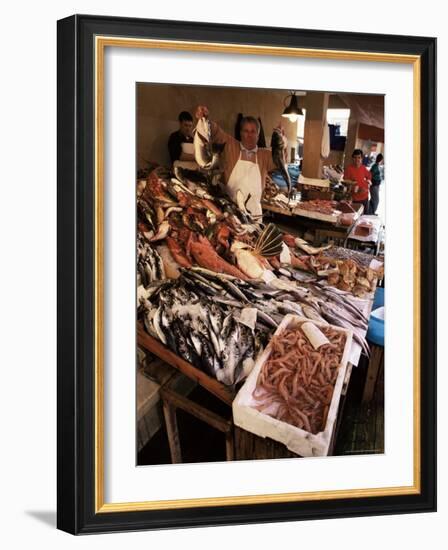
x: 338, y: 321
x: 206, y: 153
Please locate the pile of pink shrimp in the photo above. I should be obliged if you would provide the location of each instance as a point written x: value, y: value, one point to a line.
x: 296, y: 383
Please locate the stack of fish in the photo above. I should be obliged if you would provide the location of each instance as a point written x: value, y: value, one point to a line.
x: 278, y: 297
x: 219, y: 323
x: 149, y: 263
x: 214, y: 337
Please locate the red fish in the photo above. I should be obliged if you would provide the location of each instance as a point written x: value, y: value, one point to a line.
x: 206, y: 256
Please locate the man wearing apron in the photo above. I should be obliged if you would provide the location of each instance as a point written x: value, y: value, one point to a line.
x: 245, y: 165
x: 180, y: 143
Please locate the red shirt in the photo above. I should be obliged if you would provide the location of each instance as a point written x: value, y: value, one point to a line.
x: 362, y: 177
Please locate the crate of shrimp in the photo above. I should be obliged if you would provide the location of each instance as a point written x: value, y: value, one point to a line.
x: 292, y: 394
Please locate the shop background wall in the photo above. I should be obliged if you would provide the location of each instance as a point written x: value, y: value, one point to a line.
x: 159, y: 106
x: 28, y: 276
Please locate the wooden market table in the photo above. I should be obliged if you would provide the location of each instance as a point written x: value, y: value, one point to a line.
x: 240, y: 444
x: 323, y: 230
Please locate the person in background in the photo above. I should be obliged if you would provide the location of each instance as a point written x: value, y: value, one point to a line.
x: 375, y: 174
x: 245, y: 164
x: 180, y: 142
x: 357, y: 172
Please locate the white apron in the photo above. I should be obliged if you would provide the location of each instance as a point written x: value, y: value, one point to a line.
x: 187, y: 148
x: 245, y: 180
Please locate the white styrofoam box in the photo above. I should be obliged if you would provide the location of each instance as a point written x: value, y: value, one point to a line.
x: 297, y: 440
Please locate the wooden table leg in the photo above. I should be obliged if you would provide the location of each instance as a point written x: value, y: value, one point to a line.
x: 376, y: 358
x: 230, y: 453
x: 172, y: 401
x: 173, y: 433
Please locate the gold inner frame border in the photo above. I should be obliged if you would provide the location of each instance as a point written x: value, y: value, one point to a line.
x: 101, y: 42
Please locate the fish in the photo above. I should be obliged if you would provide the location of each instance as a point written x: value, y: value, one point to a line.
x: 248, y: 262
x: 162, y: 231
x: 343, y: 299
x: 279, y: 143
x: 334, y: 319
x: 206, y: 153
x: 269, y: 242
x: 231, y: 356
x: 177, y: 252
x: 157, y: 321
x: 206, y: 256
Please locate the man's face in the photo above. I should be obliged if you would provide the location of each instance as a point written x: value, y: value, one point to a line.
x: 186, y: 127
x: 249, y: 135
x: 357, y: 160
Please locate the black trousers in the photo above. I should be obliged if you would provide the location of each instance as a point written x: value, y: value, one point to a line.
x: 374, y: 198
x: 365, y: 204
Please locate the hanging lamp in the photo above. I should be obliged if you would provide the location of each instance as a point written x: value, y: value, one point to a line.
x: 292, y: 111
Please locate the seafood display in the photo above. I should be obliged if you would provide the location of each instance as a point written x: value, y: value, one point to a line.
x: 347, y: 275
x: 319, y: 205
x: 150, y: 266
x: 339, y: 253
x: 212, y: 335
x: 280, y: 201
x: 214, y: 286
x: 271, y: 190
x: 296, y: 383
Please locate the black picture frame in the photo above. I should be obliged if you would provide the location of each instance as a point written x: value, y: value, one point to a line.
x: 76, y: 475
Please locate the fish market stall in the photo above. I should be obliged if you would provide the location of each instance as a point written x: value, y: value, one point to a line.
x: 213, y: 288
x: 327, y: 220
x: 246, y: 290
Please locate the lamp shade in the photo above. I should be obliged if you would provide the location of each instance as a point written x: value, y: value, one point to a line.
x: 292, y: 111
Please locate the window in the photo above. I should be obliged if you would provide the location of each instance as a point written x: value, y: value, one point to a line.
x: 339, y: 117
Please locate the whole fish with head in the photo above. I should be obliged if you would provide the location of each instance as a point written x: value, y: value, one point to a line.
x: 343, y: 299
x: 231, y: 356
x: 279, y: 144
x: 358, y: 335
x: 206, y: 153
x: 206, y: 256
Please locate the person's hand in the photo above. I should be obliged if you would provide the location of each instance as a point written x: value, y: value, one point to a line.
x: 201, y: 111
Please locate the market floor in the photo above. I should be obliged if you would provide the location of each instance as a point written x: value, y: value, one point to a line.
x: 361, y: 430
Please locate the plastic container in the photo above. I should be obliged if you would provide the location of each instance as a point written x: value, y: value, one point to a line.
x: 378, y: 300
x: 375, y: 332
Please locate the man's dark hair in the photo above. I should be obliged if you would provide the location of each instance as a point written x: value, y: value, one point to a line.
x: 185, y: 115
x: 379, y: 158
x: 249, y: 120
x: 357, y: 152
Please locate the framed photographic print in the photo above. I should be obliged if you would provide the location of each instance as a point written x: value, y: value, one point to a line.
x: 246, y: 274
